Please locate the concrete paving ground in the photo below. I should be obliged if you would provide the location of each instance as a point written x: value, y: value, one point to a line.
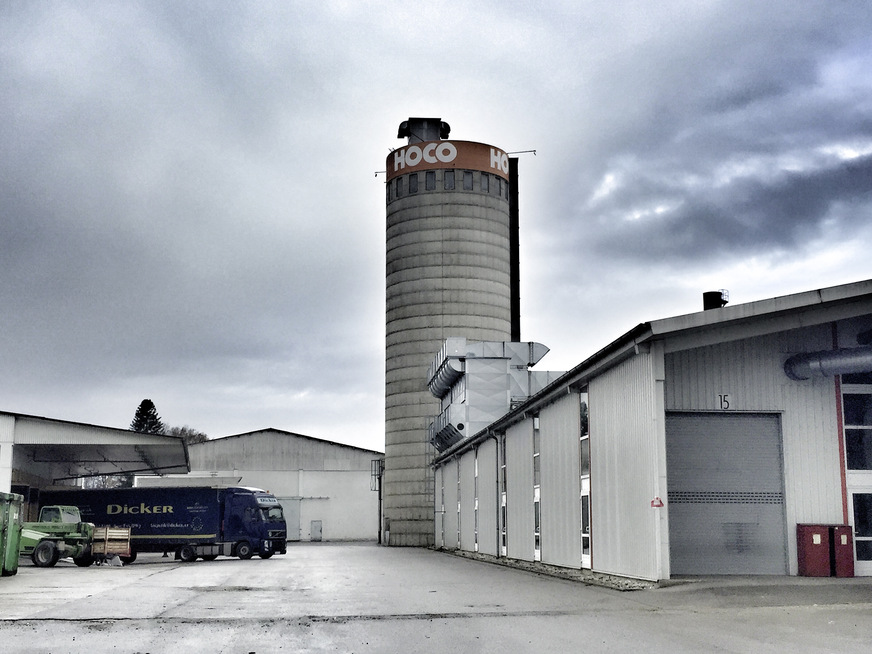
x: 365, y: 598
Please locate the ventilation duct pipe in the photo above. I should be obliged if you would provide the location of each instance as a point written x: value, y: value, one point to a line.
x: 829, y: 363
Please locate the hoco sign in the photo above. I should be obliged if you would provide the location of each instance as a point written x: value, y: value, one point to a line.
x: 447, y: 154
x: 431, y: 153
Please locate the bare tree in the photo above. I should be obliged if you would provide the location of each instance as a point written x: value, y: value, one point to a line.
x: 188, y: 434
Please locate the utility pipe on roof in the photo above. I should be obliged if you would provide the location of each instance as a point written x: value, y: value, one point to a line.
x: 829, y: 362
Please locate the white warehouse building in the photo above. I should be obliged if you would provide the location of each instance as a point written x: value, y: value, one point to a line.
x: 698, y: 444
x: 326, y: 488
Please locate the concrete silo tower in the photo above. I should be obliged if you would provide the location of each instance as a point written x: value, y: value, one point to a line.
x: 451, y: 272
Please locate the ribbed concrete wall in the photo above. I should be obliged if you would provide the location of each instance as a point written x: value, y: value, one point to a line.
x: 448, y: 274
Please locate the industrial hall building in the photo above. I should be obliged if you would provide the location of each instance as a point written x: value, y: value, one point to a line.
x: 326, y: 489
x: 736, y: 440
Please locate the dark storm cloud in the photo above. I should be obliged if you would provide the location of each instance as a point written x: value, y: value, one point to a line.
x: 188, y: 210
x: 750, y: 216
x: 729, y: 133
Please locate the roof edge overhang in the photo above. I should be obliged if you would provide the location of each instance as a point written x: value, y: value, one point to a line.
x: 692, y: 330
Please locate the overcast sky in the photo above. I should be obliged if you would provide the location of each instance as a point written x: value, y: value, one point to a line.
x: 189, y: 210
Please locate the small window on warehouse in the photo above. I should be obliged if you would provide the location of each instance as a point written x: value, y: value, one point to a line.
x: 430, y: 180
x: 485, y: 183
x: 467, y: 180
x: 857, y: 413
x: 399, y: 187
x: 413, y: 183
x: 388, y: 192
x: 448, y: 180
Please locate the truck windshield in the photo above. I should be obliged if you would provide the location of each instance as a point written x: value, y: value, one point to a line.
x: 66, y: 514
x: 272, y: 514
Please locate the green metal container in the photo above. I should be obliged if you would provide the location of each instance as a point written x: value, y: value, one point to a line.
x: 10, y: 532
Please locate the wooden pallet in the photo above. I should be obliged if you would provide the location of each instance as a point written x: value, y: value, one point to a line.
x: 110, y: 541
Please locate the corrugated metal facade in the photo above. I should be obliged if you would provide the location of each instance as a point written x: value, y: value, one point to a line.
x: 624, y: 469
x: 519, y: 491
x: 750, y: 374
x: 273, y: 449
x: 559, y: 429
x: 319, y: 481
x: 7, y: 436
x: 488, y: 504
x: 467, y: 501
x: 707, y: 367
x: 726, y: 493
x: 439, y: 521
x: 449, y: 479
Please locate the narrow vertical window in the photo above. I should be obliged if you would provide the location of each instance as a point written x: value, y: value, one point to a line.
x: 413, y: 183
x: 448, y: 180
x: 475, y: 508
x: 458, y: 504
x: 430, y: 180
x: 388, y: 192
x: 467, y: 180
x: 537, y: 527
x: 584, y: 479
x: 503, y: 503
x: 485, y: 183
x: 399, y: 186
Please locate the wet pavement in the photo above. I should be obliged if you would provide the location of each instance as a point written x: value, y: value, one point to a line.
x: 365, y: 598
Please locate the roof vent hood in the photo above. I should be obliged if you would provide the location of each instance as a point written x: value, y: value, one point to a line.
x: 715, y: 299
x: 418, y: 130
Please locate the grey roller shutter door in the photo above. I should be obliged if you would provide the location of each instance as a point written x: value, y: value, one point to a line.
x: 726, y: 494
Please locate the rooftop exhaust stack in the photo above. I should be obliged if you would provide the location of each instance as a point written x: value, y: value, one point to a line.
x: 418, y: 130
x: 715, y: 299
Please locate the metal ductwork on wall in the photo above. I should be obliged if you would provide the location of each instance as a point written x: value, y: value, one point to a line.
x: 829, y: 363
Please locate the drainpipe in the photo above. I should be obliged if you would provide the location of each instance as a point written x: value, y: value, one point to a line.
x: 829, y: 363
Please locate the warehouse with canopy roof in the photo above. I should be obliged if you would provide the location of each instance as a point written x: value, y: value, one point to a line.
x: 37, y: 453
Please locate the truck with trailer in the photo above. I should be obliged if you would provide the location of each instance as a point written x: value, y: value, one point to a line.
x: 191, y: 521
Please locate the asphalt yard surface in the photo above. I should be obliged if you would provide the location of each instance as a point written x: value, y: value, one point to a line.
x: 365, y: 598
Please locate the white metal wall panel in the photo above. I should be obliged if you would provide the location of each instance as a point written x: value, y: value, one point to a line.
x: 726, y: 495
x: 467, y: 501
x: 291, y: 508
x: 559, y: 429
x: 438, y: 512
x: 449, y: 473
x: 750, y: 373
x: 7, y: 437
x: 488, y: 503
x: 519, y: 491
x: 624, y: 450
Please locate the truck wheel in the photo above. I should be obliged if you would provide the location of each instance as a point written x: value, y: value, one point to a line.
x: 265, y: 555
x: 127, y: 560
x: 45, y: 554
x: 243, y: 550
x: 187, y: 553
x: 83, y: 561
